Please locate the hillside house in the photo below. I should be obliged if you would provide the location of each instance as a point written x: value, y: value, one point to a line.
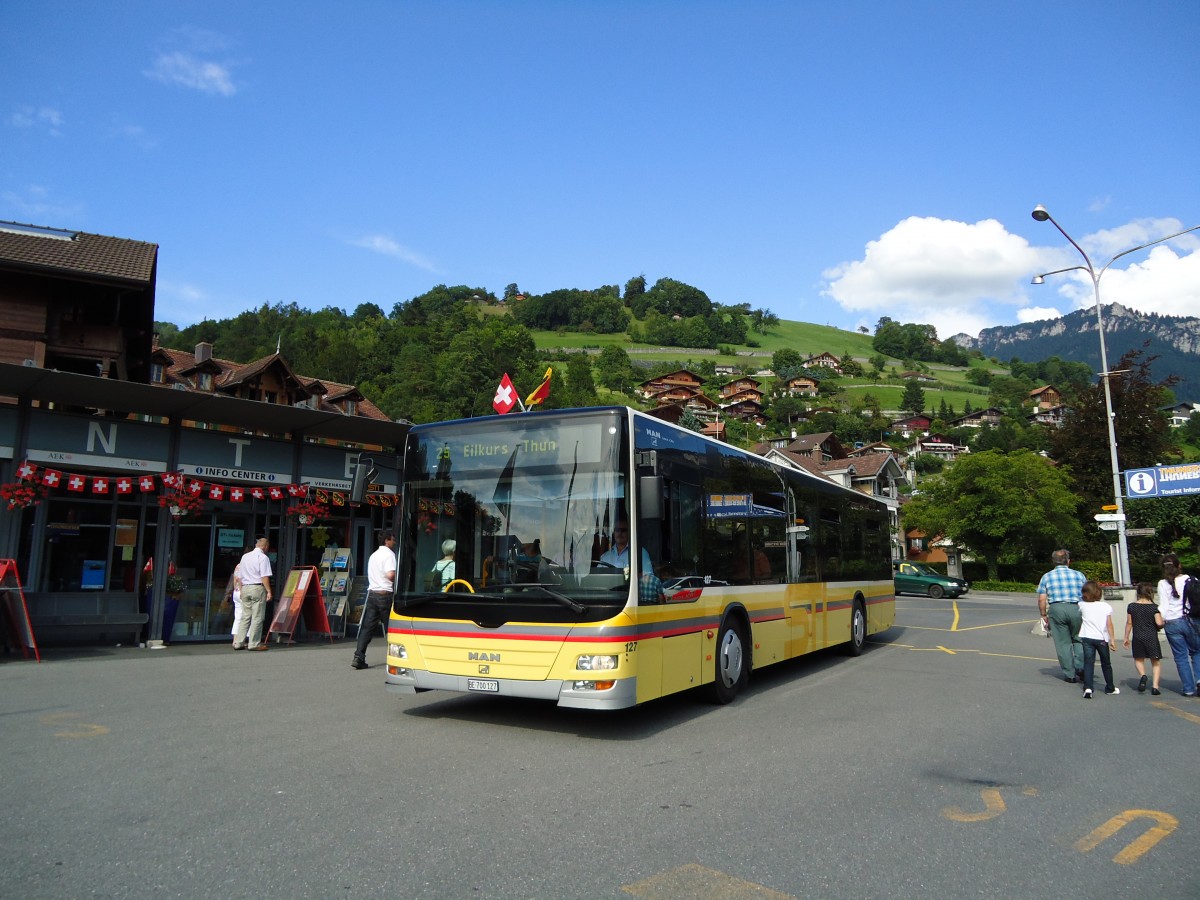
x: 911, y: 425
x: 677, y: 379
x: 742, y: 385
x: 1052, y: 417
x: 917, y: 376
x: 1045, y: 397
x: 825, y: 361
x: 1179, y: 414
x: 980, y: 417
x: 801, y: 386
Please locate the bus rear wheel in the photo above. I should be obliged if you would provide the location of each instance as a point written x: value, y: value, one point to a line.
x: 858, y: 630
x: 732, y: 664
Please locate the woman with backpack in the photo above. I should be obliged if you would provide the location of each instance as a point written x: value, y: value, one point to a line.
x: 1181, y: 629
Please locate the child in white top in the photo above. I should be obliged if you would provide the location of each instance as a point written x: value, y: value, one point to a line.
x: 1097, y: 636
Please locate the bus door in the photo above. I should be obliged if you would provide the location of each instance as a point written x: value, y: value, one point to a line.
x: 800, y: 597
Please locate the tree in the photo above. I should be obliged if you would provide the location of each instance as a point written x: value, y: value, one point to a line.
x: 913, y: 400
x: 615, y: 369
x: 1004, y: 507
x: 1143, y: 437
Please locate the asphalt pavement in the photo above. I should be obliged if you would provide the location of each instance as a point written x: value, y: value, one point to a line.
x: 949, y: 760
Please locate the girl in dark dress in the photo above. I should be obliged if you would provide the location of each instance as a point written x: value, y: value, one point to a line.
x: 1144, y: 621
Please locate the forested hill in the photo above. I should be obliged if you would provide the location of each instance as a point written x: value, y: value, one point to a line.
x: 1175, y: 340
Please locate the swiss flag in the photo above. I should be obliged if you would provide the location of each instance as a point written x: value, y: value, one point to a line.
x: 99, y: 485
x: 51, y: 478
x: 76, y: 483
x: 124, y: 485
x: 257, y: 493
x: 27, y: 471
x: 297, y: 490
x: 195, y: 487
x: 146, y: 483
x: 215, y: 492
x: 172, y: 479
x: 276, y: 493
x: 506, y: 396
x: 237, y: 495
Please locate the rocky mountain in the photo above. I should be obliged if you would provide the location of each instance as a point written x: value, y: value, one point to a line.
x: 1175, y: 340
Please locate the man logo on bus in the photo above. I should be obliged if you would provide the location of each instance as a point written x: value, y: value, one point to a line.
x: 483, y: 657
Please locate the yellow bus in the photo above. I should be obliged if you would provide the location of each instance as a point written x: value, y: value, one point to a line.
x: 600, y: 558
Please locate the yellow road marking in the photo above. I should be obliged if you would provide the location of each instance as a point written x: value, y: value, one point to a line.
x: 1133, y: 851
x: 954, y: 624
x: 993, y: 802
x: 1183, y: 714
x: 78, y: 730
x: 945, y: 650
x: 694, y: 880
x: 969, y: 627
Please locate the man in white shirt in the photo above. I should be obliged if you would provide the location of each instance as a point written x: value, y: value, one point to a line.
x: 255, y: 569
x: 617, y: 555
x: 381, y: 582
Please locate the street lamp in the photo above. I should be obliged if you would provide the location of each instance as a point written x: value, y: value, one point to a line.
x: 1042, y: 215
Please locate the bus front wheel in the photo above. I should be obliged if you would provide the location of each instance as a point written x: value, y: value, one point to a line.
x: 858, y: 630
x: 732, y: 665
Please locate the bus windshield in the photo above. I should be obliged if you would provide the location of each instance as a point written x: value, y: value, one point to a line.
x: 508, y: 519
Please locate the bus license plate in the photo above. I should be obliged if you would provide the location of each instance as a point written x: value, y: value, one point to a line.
x: 483, y: 684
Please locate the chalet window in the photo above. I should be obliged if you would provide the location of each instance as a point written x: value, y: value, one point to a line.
x: 351, y: 407
x: 156, y: 373
x: 204, y: 381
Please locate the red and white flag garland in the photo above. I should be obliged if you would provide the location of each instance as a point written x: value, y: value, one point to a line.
x: 105, y: 485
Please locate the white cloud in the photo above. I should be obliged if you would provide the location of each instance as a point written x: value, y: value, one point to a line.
x: 936, y: 271
x: 44, y: 117
x: 1037, y: 313
x: 1161, y: 279
x: 961, y: 277
x: 36, y: 206
x: 188, y: 71
x: 386, y: 246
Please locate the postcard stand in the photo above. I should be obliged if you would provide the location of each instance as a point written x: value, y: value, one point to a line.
x: 336, y: 586
x: 301, y: 594
x: 15, y: 612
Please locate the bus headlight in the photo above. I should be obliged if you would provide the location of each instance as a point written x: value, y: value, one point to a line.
x: 397, y: 650
x: 593, y: 685
x: 596, y: 663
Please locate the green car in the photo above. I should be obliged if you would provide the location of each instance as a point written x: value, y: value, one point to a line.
x: 918, y: 578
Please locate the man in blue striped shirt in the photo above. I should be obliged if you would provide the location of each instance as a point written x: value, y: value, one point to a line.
x: 1059, y: 593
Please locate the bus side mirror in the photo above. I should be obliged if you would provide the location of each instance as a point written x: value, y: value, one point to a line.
x: 650, y: 490
x: 364, y: 474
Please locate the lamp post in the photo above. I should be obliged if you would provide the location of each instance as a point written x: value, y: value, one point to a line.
x: 1042, y: 215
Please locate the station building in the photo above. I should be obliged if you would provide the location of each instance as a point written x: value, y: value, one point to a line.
x: 104, y: 428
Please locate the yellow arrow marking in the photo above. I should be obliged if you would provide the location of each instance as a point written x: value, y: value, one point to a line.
x: 991, y: 799
x: 79, y: 730
x: 1133, y: 851
x: 692, y: 880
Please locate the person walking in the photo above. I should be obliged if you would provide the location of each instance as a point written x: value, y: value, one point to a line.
x: 381, y: 583
x: 1144, y: 621
x: 255, y: 569
x: 1059, y: 593
x: 1182, y: 633
x: 1096, y: 635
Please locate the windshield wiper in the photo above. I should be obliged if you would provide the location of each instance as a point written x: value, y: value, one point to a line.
x: 413, y: 600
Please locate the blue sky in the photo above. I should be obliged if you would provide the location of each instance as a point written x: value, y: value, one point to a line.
x: 833, y: 162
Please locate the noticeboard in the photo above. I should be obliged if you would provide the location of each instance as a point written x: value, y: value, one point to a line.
x: 301, y: 594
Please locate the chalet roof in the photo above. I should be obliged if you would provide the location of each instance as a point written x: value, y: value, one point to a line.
x: 76, y: 252
x: 231, y: 374
x: 1042, y: 390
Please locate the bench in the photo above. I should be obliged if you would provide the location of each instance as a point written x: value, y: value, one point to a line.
x: 80, y: 618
